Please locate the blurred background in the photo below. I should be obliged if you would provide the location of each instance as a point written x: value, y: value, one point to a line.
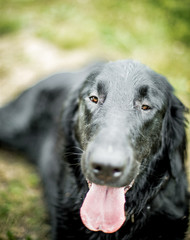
x: 38, y: 38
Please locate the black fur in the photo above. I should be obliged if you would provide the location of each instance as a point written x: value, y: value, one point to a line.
x: 68, y: 136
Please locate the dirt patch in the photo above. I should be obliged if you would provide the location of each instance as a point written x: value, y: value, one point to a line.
x: 26, y: 59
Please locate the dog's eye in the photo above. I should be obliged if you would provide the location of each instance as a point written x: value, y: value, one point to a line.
x: 93, y: 99
x: 145, y: 107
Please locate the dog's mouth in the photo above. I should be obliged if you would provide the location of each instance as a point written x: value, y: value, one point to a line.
x: 103, y: 208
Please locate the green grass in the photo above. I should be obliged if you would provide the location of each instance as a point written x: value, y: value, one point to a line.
x: 156, y: 32
x: 123, y: 22
x: 22, y: 208
x: 8, y: 25
x: 11, y: 236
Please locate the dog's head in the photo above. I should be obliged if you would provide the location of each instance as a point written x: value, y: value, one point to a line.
x: 126, y: 113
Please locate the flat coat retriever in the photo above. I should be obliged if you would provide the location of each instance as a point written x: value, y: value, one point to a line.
x: 109, y: 142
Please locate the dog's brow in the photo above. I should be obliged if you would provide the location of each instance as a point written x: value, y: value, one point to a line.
x: 101, y: 88
x: 143, y: 90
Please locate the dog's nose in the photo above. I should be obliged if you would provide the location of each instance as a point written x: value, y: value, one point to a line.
x: 106, y: 172
x: 107, y: 169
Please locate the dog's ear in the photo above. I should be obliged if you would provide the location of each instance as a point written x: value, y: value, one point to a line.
x: 173, y: 133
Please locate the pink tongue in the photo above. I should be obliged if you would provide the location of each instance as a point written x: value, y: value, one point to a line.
x: 103, y: 208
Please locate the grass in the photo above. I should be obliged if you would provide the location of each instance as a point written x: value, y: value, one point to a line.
x: 21, y: 204
x: 154, y: 32
x: 8, y: 25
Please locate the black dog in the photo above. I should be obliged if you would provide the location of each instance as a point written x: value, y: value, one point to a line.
x: 109, y: 142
